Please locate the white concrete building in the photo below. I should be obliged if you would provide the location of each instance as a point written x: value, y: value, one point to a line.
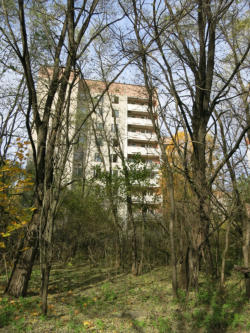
x: 101, y: 146
x: 118, y: 126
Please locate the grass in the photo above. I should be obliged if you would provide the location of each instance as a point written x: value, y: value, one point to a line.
x: 84, y: 299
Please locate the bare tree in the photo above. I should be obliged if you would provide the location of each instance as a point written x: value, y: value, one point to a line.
x: 181, y: 42
x: 233, y: 24
x: 64, y: 32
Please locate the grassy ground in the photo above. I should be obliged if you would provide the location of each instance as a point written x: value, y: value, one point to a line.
x: 84, y: 299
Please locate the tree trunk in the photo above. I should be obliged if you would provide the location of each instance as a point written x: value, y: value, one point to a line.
x: 184, y: 270
x: 46, y: 251
x: 246, y: 248
x: 222, y: 278
x: 193, y: 268
x: 20, y: 276
x: 45, y: 270
x: 135, y: 263
x: 142, y: 240
x: 24, y: 261
x: 170, y: 185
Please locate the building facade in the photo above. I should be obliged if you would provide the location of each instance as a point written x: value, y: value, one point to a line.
x: 105, y: 127
x: 119, y: 128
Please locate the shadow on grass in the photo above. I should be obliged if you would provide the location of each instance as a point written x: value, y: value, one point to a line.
x: 63, y: 279
x: 133, y: 321
x: 213, y: 311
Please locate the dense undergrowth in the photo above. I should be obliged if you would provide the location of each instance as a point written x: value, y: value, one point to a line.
x: 96, y: 299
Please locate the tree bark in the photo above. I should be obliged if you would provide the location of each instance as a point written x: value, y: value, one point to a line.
x: 246, y: 248
x: 24, y: 260
x: 223, y: 262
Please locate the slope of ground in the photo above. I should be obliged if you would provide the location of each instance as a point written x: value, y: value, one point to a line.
x: 95, y: 299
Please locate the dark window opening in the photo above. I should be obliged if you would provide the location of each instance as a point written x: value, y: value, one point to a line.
x: 99, y: 142
x: 114, y: 158
x: 113, y: 126
x: 115, y: 99
x: 98, y: 157
x: 78, y: 155
x: 115, y: 113
x: 115, y: 143
x: 97, y: 172
x: 100, y: 111
x: 99, y: 126
x: 78, y: 170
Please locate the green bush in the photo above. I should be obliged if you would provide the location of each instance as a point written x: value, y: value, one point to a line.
x: 108, y: 294
x: 217, y: 311
x: 164, y: 326
x: 7, y: 312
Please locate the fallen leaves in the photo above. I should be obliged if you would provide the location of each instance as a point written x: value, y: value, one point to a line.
x: 51, y: 306
x: 88, y: 324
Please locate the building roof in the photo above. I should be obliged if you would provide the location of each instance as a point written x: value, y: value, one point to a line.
x: 46, y: 72
x: 125, y: 89
x: 98, y: 86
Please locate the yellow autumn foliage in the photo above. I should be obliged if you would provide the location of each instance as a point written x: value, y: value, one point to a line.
x: 179, y: 148
x: 14, y: 181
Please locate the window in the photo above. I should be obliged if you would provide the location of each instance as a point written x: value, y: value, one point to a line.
x: 99, y: 142
x: 96, y: 99
x: 78, y: 155
x: 83, y: 108
x: 99, y: 126
x: 115, y: 173
x: 78, y: 170
x: 114, y: 158
x: 115, y: 99
x: 83, y: 95
x: 115, y: 113
x: 81, y: 139
x: 99, y: 111
x: 97, y: 172
x: 115, y: 143
x: 98, y: 157
x: 113, y: 127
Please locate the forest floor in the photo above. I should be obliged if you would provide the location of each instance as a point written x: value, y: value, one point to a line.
x: 95, y: 299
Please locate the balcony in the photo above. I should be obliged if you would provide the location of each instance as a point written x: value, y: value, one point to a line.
x: 142, y: 136
x: 155, y: 168
x: 153, y: 183
x: 136, y: 107
x: 140, y: 122
x: 143, y: 151
x: 149, y: 199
